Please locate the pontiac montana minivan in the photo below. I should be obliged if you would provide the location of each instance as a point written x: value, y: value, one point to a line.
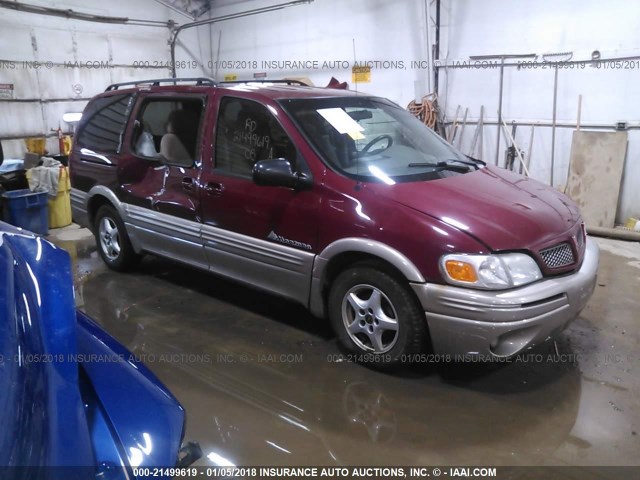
x: 340, y: 201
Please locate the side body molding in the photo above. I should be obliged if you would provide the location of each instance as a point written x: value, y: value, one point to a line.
x: 79, y: 200
x: 356, y: 245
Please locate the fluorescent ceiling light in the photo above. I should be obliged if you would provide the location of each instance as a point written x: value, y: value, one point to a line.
x: 71, y: 117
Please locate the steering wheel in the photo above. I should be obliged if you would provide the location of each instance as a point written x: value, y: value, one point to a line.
x: 367, y: 147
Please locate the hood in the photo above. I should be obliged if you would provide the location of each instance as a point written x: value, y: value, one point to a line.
x: 41, y: 410
x: 46, y: 421
x: 501, y: 209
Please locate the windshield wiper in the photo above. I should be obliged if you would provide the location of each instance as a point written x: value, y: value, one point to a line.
x: 445, y: 165
x: 465, y: 162
x: 476, y: 160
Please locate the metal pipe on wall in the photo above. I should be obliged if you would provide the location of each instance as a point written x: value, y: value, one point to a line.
x: 436, y: 52
x: 617, y: 233
x: 176, y: 9
x: 499, y: 110
x: 87, y: 17
x: 427, y: 13
x: 232, y: 16
x: 553, y: 122
x: 460, y: 63
x: 30, y: 135
x: 537, y: 123
x: 502, y: 57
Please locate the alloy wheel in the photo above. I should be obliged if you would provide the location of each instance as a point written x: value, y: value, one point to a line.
x: 370, y: 318
x: 109, y: 238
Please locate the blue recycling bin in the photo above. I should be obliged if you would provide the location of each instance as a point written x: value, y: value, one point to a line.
x: 26, y: 209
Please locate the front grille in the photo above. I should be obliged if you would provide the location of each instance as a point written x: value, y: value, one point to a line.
x: 558, y: 256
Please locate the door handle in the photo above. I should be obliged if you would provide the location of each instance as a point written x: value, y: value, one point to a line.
x: 187, y: 184
x: 214, y: 189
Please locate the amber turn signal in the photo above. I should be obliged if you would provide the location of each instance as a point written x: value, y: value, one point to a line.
x: 461, y: 271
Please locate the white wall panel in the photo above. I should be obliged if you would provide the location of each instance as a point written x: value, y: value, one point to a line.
x: 15, y: 41
x: 53, y: 45
x: 384, y: 29
x: 129, y: 49
x: 610, y: 93
x: 19, y: 118
x: 76, y: 60
x: 91, y: 46
x: 53, y: 112
x: 25, y: 81
x: 325, y: 30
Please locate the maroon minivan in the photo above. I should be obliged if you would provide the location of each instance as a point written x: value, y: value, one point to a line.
x: 340, y: 201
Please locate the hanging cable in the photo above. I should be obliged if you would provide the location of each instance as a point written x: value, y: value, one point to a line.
x: 426, y: 110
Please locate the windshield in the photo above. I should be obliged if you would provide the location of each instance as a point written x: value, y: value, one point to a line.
x: 371, y: 139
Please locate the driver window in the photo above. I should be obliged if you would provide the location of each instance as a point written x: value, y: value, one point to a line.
x: 167, y: 130
x: 246, y: 133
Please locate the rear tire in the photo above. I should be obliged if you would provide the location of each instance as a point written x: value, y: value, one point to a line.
x: 112, y: 240
x: 375, y: 317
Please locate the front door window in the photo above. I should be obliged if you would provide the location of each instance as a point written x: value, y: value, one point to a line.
x: 247, y: 132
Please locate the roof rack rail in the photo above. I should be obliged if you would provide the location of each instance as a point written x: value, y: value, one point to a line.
x: 264, y: 80
x: 200, y: 81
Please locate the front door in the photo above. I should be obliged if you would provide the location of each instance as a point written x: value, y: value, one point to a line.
x: 264, y: 236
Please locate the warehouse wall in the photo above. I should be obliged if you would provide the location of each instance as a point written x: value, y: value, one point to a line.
x: 609, y: 93
x: 263, y: 43
x: 395, y: 31
x: 77, y: 59
x: 391, y: 34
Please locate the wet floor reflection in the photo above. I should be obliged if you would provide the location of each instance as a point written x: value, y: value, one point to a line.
x: 262, y: 382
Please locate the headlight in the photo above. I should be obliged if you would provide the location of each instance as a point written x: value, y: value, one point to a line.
x: 490, y: 272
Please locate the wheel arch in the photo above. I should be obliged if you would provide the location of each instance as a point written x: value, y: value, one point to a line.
x: 343, y: 253
x: 99, y: 196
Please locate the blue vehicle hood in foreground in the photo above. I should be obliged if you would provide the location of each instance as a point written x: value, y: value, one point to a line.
x: 70, y: 394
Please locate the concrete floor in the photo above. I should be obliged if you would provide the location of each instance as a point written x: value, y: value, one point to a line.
x: 257, y: 381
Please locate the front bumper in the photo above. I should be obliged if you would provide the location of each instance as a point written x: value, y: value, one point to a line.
x: 497, y: 324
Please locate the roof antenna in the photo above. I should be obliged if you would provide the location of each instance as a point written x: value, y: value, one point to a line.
x: 358, y: 185
x: 355, y: 64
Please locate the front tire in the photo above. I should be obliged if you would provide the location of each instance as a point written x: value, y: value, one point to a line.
x: 375, y: 316
x: 112, y: 240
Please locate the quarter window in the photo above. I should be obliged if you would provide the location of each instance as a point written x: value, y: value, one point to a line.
x: 103, y: 123
x: 246, y: 133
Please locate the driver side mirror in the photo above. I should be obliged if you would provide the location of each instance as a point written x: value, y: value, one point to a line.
x: 278, y: 172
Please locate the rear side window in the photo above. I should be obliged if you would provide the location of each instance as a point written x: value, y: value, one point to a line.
x: 168, y: 129
x: 103, y: 123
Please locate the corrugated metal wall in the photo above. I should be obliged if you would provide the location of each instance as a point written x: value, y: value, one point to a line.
x: 55, y: 64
